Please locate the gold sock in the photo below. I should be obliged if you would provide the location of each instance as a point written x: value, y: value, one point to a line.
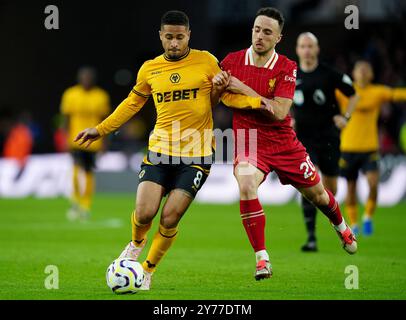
x: 86, y: 199
x: 76, y: 184
x: 370, y: 208
x: 352, y: 213
x: 163, y: 240
x: 139, y: 231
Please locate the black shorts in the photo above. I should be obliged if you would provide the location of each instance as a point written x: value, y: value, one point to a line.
x: 186, y: 174
x: 352, y: 162
x: 85, y: 159
x: 325, y: 154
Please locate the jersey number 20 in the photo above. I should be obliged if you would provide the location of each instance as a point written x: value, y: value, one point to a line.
x: 308, y: 167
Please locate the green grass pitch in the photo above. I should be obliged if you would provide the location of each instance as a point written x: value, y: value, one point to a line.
x: 211, y: 259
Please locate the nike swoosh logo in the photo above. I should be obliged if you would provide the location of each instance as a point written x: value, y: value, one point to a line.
x: 313, y: 177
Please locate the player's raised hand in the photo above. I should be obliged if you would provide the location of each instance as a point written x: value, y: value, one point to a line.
x: 266, y: 105
x: 88, y: 135
x: 340, y: 121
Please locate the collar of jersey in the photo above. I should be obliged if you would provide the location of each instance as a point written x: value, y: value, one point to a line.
x: 177, y: 59
x: 249, y: 59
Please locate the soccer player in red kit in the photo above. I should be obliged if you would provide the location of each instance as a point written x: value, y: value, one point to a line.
x: 265, y: 141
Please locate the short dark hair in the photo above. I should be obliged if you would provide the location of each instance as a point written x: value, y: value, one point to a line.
x: 272, y: 13
x: 175, y: 18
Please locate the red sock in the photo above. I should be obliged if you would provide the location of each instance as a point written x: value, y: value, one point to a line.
x: 253, y: 219
x: 332, y: 210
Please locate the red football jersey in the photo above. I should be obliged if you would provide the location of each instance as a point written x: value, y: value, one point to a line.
x: 276, y: 78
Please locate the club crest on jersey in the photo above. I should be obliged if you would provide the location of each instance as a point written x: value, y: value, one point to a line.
x: 272, y: 84
x: 175, y: 78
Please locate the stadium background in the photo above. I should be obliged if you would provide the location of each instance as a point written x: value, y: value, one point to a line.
x: 37, y: 65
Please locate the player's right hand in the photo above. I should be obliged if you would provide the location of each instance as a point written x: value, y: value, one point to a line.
x: 221, y: 80
x: 266, y: 104
x: 88, y: 135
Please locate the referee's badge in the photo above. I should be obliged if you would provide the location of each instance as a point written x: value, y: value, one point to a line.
x: 141, y: 174
x: 272, y: 84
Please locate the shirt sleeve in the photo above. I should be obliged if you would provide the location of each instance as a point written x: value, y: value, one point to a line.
x: 240, y: 101
x: 342, y: 100
x: 142, y: 88
x: 129, y: 107
x: 399, y: 94
x: 214, y: 65
x: 392, y: 94
x: 344, y: 83
x: 286, y: 82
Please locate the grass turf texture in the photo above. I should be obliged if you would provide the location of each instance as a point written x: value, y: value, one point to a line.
x: 211, y: 259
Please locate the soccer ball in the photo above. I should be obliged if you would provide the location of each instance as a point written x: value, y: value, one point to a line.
x: 124, y: 275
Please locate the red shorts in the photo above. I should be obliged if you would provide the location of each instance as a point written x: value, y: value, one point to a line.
x: 293, y: 166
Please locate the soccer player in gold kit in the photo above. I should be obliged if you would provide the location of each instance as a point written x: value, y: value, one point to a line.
x: 83, y: 105
x: 181, y: 146
x: 359, y: 140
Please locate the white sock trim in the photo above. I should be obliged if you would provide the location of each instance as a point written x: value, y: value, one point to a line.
x: 341, y: 227
x: 261, y: 255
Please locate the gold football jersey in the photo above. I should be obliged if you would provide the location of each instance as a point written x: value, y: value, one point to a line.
x: 85, y: 108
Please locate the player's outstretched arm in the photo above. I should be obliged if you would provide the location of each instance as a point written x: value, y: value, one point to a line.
x: 398, y: 94
x: 124, y: 112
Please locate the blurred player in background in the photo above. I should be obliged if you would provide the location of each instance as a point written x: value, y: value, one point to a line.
x: 83, y: 105
x: 359, y: 141
x: 180, y: 148
x: 318, y: 120
x: 261, y: 71
x: 18, y: 138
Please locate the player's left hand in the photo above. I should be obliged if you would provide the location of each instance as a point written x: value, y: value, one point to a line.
x: 340, y: 121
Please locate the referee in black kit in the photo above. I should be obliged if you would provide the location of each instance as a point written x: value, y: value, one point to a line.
x: 318, y: 120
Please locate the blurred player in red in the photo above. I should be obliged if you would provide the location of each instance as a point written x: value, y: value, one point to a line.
x: 266, y: 142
